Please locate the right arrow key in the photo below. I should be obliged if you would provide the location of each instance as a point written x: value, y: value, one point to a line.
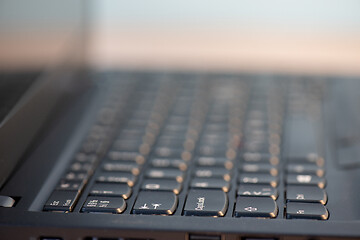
x: 264, y: 207
x: 306, y: 211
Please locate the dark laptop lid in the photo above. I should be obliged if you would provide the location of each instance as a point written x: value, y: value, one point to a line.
x: 36, y: 39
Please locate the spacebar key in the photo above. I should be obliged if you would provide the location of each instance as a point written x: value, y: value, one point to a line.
x: 153, y: 202
x: 206, y: 203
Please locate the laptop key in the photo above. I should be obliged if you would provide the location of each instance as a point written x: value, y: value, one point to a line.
x: 306, y: 194
x: 167, y: 152
x: 298, y: 179
x: 81, y: 167
x: 258, y: 178
x: 104, y: 204
x: 117, y: 177
x: 82, y: 157
x: 256, y: 207
x: 122, y: 167
x: 212, y: 162
x: 171, y: 143
x: 306, y: 211
x: 259, y: 168
x: 92, y: 146
x: 62, y: 201
x: 210, y: 183
x: 208, y: 172
x: 210, y: 151
x: 152, y: 202
x: 301, y: 139
x: 209, y: 202
x: 165, y: 173
x: 126, y: 156
x: 254, y: 190
x: 111, y: 189
x: 127, y: 145
x: 307, y: 168
x: 168, y: 162
x: 259, y: 157
x: 162, y: 185
x: 76, y: 176
x: 253, y: 146
x: 70, y: 185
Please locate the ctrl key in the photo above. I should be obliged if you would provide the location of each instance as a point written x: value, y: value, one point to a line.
x: 104, y: 205
x: 61, y: 201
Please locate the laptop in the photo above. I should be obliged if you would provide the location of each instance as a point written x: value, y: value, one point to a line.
x: 158, y: 154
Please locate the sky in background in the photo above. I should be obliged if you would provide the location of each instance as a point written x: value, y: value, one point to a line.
x: 40, y: 15
x: 333, y: 15
x: 328, y: 15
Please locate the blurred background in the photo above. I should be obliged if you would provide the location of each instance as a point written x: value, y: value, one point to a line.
x: 281, y: 35
x: 307, y: 15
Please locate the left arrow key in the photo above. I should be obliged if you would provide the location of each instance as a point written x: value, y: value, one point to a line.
x: 263, y: 207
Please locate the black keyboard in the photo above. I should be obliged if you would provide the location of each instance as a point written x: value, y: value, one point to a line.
x: 201, y: 145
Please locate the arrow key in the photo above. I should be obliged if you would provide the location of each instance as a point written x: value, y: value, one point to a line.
x: 256, y: 207
x: 255, y: 190
x: 306, y: 211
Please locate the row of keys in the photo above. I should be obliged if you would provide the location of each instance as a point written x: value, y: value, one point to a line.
x: 291, y: 179
x: 205, y: 203
x: 200, y: 203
